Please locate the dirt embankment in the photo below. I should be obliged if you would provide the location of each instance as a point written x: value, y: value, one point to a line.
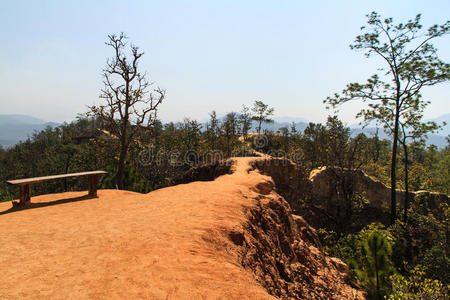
x: 231, y: 238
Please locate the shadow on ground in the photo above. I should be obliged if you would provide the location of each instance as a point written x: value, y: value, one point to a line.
x: 16, y: 207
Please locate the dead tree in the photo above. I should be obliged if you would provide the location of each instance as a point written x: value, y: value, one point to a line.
x: 131, y: 104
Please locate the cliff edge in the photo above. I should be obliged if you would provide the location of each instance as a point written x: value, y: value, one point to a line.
x: 234, y: 237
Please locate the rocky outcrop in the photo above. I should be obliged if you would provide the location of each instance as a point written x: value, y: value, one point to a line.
x: 316, y: 197
x: 377, y: 194
x: 375, y: 191
x: 285, y: 254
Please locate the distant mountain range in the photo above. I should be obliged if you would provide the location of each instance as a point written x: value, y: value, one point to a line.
x: 438, y: 139
x: 16, y: 128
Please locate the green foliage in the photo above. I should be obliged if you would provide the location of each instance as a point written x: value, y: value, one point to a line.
x: 376, y: 266
x: 261, y: 113
x: 368, y: 255
x: 54, y: 151
x: 429, y: 168
x: 344, y: 247
x: 423, y: 240
x: 230, y: 130
x: 417, y: 286
x: 331, y: 145
x: 437, y: 167
x: 245, y: 121
x: 378, y: 171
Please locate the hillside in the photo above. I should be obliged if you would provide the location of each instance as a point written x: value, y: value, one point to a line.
x: 231, y: 238
x: 16, y: 128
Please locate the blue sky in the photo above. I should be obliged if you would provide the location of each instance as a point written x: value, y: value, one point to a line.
x: 208, y: 55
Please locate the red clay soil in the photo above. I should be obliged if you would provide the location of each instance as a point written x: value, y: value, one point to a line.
x: 231, y: 238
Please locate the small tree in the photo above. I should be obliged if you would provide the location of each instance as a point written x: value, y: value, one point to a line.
x: 190, y: 130
x: 245, y: 120
x: 130, y: 104
x: 376, y: 269
x: 261, y: 114
x: 411, y: 63
x: 213, y: 130
x: 230, y: 128
x: 376, y: 147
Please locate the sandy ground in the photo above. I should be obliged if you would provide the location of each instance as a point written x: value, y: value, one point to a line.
x: 168, y: 244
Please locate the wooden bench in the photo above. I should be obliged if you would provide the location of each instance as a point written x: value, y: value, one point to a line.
x: 25, y: 184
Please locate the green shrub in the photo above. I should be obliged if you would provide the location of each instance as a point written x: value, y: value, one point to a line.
x: 417, y: 286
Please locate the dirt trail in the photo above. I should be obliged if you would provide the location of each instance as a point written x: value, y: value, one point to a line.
x: 169, y: 244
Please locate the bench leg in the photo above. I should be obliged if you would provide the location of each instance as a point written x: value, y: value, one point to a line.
x: 25, y: 194
x: 93, y: 185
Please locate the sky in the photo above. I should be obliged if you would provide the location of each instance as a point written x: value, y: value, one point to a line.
x: 207, y: 55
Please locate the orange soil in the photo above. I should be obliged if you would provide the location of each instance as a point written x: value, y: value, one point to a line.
x: 169, y: 244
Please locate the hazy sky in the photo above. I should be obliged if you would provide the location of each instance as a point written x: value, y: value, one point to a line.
x: 208, y: 55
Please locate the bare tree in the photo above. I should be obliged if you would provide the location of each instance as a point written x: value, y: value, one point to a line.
x: 130, y: 103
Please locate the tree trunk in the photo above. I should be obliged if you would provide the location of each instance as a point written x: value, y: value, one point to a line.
x: 123, y: 155
x: 405, y: 215
x: 375, y: 256
x: 393, y: 170
x: 123, y: 136
x: 121, y: 167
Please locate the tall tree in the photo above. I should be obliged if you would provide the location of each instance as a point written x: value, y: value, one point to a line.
x: 261, y: 114
x: 410, y: 63
x: 130, y: 103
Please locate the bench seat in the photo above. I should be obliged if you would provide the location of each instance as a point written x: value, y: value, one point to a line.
x: 25, y: 184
